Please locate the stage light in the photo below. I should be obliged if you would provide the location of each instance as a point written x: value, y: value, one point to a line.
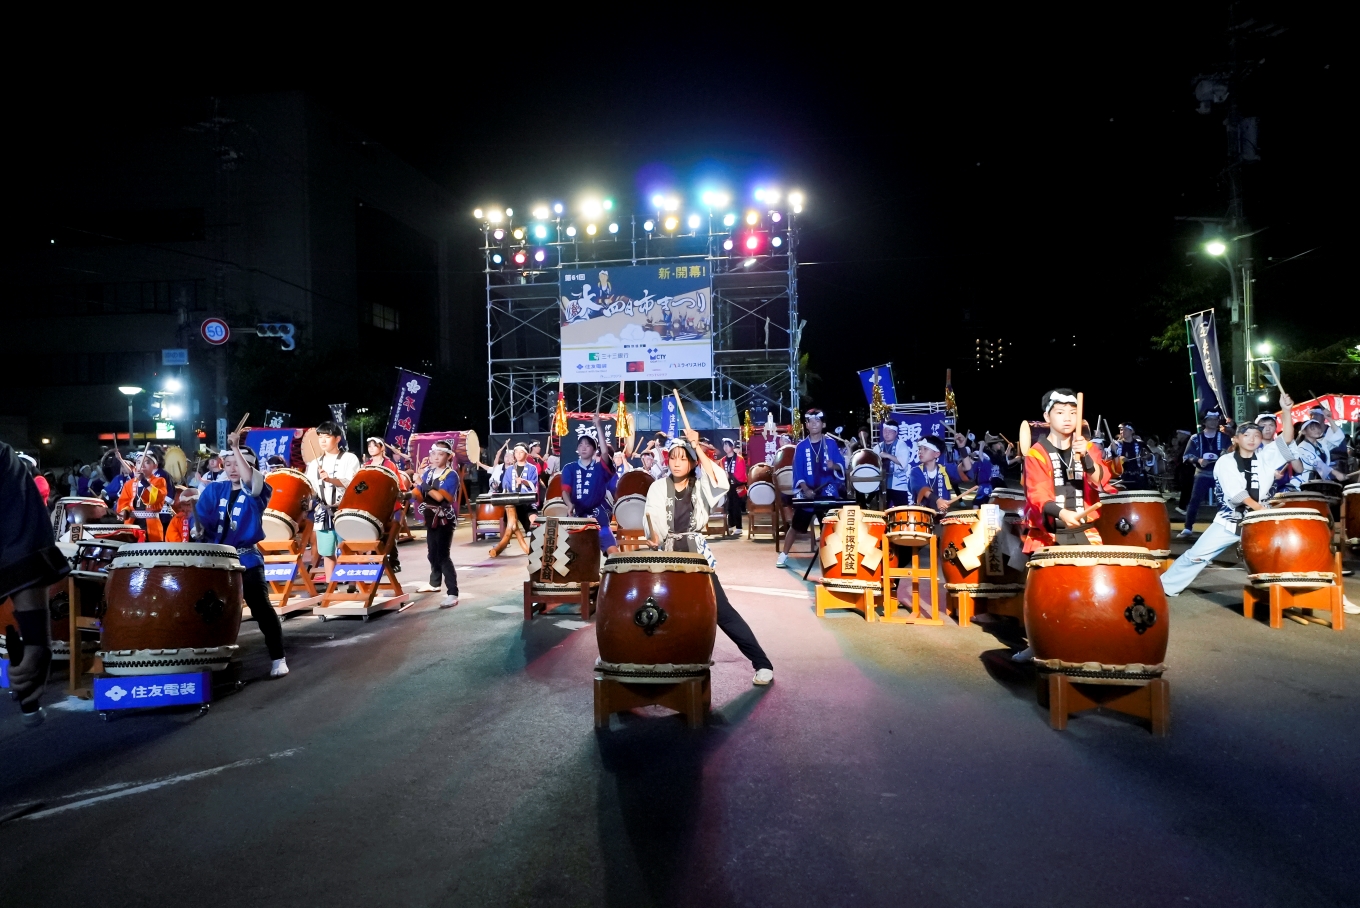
x: 727, y: 244
x: 540, y: 232
x: 777, y: 241
x: 613, y: 227
x: 172, y: 385
x: 571, y: 231
x: 540, y: 255
x: 608, y: 204
x: 707, y: 199
x: 672, y: 203
x: 729, y: 219
x: 541, y: 212
x: 509, y: 212
x: 591, y: 208
x: 1215, y: 247
x: 520, y: 257
x: 477, y: 213
x: 760, y: 195
x: 753, y: 242
x: 771, y: 196
x: 558, y: 208
x: 796, y: 202
x: 496, y: 258
x: 519, y: 233
x: 658, y: 200
x: 590, y: 229
x: 752, y: 218
x: 649, y: 225
x: 498, y: 234
x: 672, y: 222
x: 694, y: 222
x: 776, y: 216
x: 494, y: 216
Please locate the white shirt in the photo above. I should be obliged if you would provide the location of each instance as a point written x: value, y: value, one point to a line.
x: 339, y: 466
x: 1233, y: 488
x: 1316, y: 458
x: 899, y: 472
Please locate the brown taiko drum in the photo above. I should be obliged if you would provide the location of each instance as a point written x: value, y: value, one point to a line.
x: 634, y: 482
x: 910, y: 525
x: 565, y: 550
x: 783, y: 469
x: 554, y: 505
x: 171, y: 607
x: 1135, y: 518
x: 1310, y: 500
x: 287, y: 504
x: 1332, y: 491
x: 656, y: 617
x: 1097, y: 611
x: 1288, y: 545
x: 852, y: 549
x: 866, y: 471
x: 367, y: 505
x: 71, y: 511
x: 761, y: 472
x: 1352, y: 499
x: 489, y: 512
x: 1009, y: 499
x: 993, y: 574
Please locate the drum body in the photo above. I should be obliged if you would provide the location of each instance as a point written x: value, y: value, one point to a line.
x: 1135, y: 518
x: 1009, y: 499
x: 1096, y: 610
x: 761, y: 494
x: 656, y: 617
x: 1352, y: 498
x: 993, y: 574
x: 852, y: 549
x: 1288, y: 544
x: 783, y: 469
x: 367, y: 505
x: 630, y: 512
x: 554, y: 486
x: 171, y: 607
x: 910, y: 525
x: 1332, y: 491
x: 761, y: 472
x: 565, y: 550
x: 488, y: 512
x: 1310, y: 500
x: 866, y: 471
x: 287, y: 504
x: 71, y: 511
x: 634, y: 482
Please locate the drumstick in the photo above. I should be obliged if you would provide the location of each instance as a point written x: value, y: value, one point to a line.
x: 681, y: 406
x: 241, y: 424
x: 1081, y: 402
x: 1087, y: 512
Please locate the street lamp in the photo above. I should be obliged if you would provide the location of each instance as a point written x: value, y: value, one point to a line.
x: 131, y: 391
x: 1264, y: 348
x: 1215, y: 247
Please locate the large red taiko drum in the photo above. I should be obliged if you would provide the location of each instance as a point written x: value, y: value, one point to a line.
x: 993, y: 574
x: 634, y: 482
x: 1310, y: 500
x: 1288, y: 545
x: 783, y: 469
x: 77, y: 510
x: 287, y: 504
x: 171, y: 607
x: 1135, y: 518
x: 1097, y: 609
x: 367, y: 505
x: 554, y: 505
x: 1009, y: 499
x: 852, y: 550
x: 656, y: 617
x: 565, y: 550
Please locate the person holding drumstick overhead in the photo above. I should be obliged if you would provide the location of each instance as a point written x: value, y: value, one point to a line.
x: 329, y: 475
x: 438, y: 495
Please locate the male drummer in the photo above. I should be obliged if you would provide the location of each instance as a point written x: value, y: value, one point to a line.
x: 818, y: 472
x: 517, y: 476
x: 930, y: 483
x: 1061, y: 479
x: 438, y: 503
x: 585, y: 484
x: 230, y: 512
x: 1132, y: 453
x: 1243, y: 479
x: 140, y: 501
x: 329, y: 475
x: 896, y: 456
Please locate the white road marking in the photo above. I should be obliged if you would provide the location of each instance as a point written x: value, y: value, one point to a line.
x: 571, y: 624
x: 74, y: 704
x: 506, y: 609
x: 130, y: 788
x: 769, y: 591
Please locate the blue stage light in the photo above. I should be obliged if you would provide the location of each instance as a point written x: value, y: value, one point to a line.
x: 540, y: 232
x: 558, y: 208
x: 496, y: 258
x: 658, y: 200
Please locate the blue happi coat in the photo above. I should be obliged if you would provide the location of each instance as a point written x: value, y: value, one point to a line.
x: 812, y: 464
x: 587, y: 489
x: 240, y: 529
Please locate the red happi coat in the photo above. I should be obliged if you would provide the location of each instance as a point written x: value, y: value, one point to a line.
x: 1041, y: 487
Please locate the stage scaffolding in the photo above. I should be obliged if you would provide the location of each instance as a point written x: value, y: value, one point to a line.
x: 756, y: 329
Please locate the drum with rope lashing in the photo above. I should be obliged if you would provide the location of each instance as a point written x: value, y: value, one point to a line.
x: 783, y: 469
x: 911, y: 525
x: 69, y: 512
x: 630, y: 512
x: 1135, y: 518
x: 287, y: 504
x: 852, y: 550
x: 656, y: 617
x: 1009, y: 499
x: 994, y: 574
x: 367, y: 505
x: 1288, y: 545
x: 565, y: 551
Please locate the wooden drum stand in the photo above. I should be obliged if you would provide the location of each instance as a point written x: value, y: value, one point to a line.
x: 285, y: 595
x: 365, y: 601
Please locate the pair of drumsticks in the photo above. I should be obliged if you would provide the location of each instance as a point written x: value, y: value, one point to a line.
x: 1024, y: 438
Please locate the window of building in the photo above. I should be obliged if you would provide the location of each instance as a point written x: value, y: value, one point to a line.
x: 386, y: 317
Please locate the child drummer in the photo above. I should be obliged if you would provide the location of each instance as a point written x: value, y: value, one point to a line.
x: 585, y: 484
x: 141, y: 499
x: 439, y: 486
x: 1061, y: 479
x: 229, y: 512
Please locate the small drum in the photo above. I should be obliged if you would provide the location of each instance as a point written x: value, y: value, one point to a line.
x: 761, y: 494
x: 94, y: 557
x: 1351, y: 496
x: 1310, y: 500
x: 1288, y: 545
x: 488, y: 513
x: 783, y: 469
x: 1135, y: 518
x: 1332, y: 491
x: 123, y: 532
x: 287, y: 504
x: 993, y: 575
x: 910, y: 525
x: 761, y: 472
x: 368, y: 503
x: 554, y: 487
x: 852, y: 549
x: 630, y: 512
x: 1097, y: 611
x: 656, y: 617
x: 71, y: 511
x: 171, y: 607
x: 565, y: 551
x: 866, y: 471
x: 1009, y: 499
x: 634, y: 482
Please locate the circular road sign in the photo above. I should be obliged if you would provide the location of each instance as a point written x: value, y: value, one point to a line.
x: 215, y: 331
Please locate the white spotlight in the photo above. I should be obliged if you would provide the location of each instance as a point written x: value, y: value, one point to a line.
x: 477, y: 213
x: 694, y: 222
x: 571, y: 231
x: 649, y: 225
x: 613, y: 228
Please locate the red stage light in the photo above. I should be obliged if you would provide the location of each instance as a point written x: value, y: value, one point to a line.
x: 753, y: 242
x: 520, y: 257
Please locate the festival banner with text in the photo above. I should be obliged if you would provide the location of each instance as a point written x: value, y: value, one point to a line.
x: 407, y: 401
x: 637, y: 322
x: 1206, y: 372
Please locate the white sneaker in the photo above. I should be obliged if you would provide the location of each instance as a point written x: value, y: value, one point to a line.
x: 1350, y: 608
x: 427, y: 588
x: 763, y: 677
x: 449, y: 602
x: 279, y: 668
x: 781, y: 559
x: 1024, y: 655
x: 1185, y: 534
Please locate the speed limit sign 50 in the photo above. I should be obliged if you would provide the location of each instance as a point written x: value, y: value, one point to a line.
x: 215, y: 331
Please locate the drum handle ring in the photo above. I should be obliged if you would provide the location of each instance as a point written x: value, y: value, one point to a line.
x: 650, y: 616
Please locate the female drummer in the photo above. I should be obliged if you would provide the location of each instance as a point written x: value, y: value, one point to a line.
x: 735, y: 466
x: 677, y: 513
x: 517, y: 476
x: 229, y: 512
x: 378, y: 458
x: 140, y: 501
x: 438, y: 502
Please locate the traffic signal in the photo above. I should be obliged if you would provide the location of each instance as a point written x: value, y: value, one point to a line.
x: 281, y: 330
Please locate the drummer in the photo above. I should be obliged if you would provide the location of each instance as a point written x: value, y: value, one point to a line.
x: 1131, y: 453
x: 1061, y: 479
x: 896, y: 456
x: 818, y: 473
x: 680, y: 506
x: 1316, y: 454
x: 930, y: 483
x: 735, y: 466
x: 330, y: 475
x: 516, y: 476
x: 377, y: 457
x: 438, y: 508
x: 139, y: 503
x: 585, y: 484
x: 229, y: 512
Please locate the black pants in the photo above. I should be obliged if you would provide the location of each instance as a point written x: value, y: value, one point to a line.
x: 257, y: 598
x: 437, y: 542
x: 736, y: 628
x: 736, y: 507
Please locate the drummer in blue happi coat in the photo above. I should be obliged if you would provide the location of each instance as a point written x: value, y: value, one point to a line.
x: 229, y: 512
x: 585, y: 484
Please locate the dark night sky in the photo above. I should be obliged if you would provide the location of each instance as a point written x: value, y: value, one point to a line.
x: 1012, y: 177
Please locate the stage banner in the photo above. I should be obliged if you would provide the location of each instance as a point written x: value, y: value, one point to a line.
x: 866, y: 378
x: 638, y: 322
x: 912, y: 427
x: 1205, y: 371
x: 407, y: 400
x: 276, y: 420
x: 579, y: 424
x: 267, y: 443
x: 670, y: 416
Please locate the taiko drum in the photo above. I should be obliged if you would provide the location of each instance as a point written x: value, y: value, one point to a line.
x: 77, y: 510
x: 852, y: 549
x: 1096, y: 608
x: 287, y: 504
x: 783, y: 469
x: 634, y: 482
x: 866, y: 471
x: 656, y: 616
x: 1287, y: 543
x: 993, y: 572
x: 1310, y: 500
x: 910, y: 525
x: 1135, y: 518
x: 1009, y: 499
x: 565, y: 550
x: 761, y: 472
x: 367, y: 505
x: 1352, y: 504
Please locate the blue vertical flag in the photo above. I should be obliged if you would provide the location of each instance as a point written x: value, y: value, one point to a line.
x: 670, y: 416
x: 267, y: 443
x: 1205, y: 371
x: 866, y: 378
x: 406, y: 403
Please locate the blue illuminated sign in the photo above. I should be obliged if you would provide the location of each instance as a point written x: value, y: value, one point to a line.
x: 352, y: 573
x: 280, y: 573
x: 140, y: 691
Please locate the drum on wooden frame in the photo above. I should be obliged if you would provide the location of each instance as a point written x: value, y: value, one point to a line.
x: 852, y: 549
x: 911, y: 525
x: 1288, y: 545
x: 761, y: 494
x: 866, y: 471
x: 68, y: 512
x: 993, y: 574
x: 656, y: 617
x: 1351, y: 497
x: 287, y: 504
x: 367, y: 505
x: 565, y: 550
x: 630, y: 512
x: 634, y: 482
x: 1310, y: 500
x: 783, y: 469
x: 761, y: 472
x: 1135, y: 518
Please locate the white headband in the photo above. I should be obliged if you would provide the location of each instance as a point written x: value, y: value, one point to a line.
x: 1056, y: 398
x: 926, y: 444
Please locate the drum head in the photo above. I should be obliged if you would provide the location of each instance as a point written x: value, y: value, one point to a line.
x: 761, y: 493
x: 311, y: 446
x: 357, y: 526
x: 277, y: 526
x: 783, y: 478
x: 866, y: 479
x: 473, y: 445
x: 556, y: 507
x: 631, y: 512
